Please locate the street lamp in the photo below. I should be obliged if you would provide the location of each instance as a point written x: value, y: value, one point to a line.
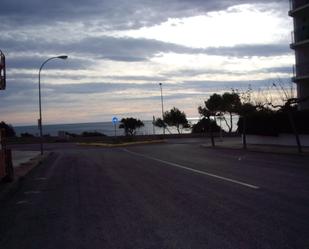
x: 160, y: 84
x: 63, y: 57
x: 2, y: 71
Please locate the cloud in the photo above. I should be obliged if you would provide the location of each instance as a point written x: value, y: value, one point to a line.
x: 31, y: 53
x: 110, y: 73
x: 34, y: 62
x: 117, y: 14
x: 260, y: 50
x: 94, y: 101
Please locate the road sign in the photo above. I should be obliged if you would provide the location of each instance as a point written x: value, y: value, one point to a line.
x: 115, y: 120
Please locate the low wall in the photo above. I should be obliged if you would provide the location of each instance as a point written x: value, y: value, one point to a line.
x: 30, y: 140
x: 281, y: 139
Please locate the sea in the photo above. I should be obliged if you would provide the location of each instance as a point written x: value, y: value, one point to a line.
x: 107, y: 128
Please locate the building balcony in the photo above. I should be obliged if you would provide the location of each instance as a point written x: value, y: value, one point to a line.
x: 298, y: 6
x: 301, y: 72
x: 300, y: 36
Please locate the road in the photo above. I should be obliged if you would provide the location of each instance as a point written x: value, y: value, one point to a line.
x: 163, y: 196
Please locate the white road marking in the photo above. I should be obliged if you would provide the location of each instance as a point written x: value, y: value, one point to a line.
x: 21, y: 202
x: 193, y: 170
x: 32, y: 192
x: 41, y: 179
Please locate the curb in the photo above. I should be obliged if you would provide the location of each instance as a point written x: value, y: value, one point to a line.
x: 9, y: 188
x: 259, y: 150
x: 105, y: 145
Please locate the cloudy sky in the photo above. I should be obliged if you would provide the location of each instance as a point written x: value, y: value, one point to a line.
x: 120, y: 50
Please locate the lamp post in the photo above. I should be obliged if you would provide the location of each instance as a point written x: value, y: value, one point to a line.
x: 63, y: 57
x: 2, y: 71
x: 160, y: 84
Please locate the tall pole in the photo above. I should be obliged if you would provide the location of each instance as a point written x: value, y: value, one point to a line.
x: 2, y: 71
x: 162, y: 107
x: 63, y: 57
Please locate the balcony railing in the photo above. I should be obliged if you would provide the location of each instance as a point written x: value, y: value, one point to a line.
x: 294, y: 4
x: 301, y: 70
x: 299, y: 35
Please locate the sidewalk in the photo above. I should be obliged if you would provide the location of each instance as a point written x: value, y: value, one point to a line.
x: 236, y: 143
x: 23, y: 163
x: 21, y: 157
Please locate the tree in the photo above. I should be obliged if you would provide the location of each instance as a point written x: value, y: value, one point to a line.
x: 207, y: 114
x: 130, y: 125
x: 230, y: 104
x: 244, y: 110
x: 9, y: 130
x: 176, y: 118
x: 159, y: 123
x: 205, y: 125
x: 214, y: 103
x: 218, y: 104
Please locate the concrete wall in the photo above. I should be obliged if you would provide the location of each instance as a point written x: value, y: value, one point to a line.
x: 282, y: 139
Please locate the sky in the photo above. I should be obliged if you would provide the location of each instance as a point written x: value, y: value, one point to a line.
x: 119, y: 51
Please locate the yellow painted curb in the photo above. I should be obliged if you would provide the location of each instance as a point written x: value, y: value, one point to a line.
x: 121, y: 144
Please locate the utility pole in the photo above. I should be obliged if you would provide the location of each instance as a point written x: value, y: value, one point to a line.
x: 160, y: 84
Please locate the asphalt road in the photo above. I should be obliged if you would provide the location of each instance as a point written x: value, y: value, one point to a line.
x: 167, y: 196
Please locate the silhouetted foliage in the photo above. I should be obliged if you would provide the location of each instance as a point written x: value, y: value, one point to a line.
x: 246, y: 109
x: 176, y: 118
x: 230, y: 104
x: 203, y: 126
x: 272, y: 123
x: 159, y: 123
x: 130, y: 125
x: 214, y: 103
x: 92, y: 134
x: 26, y: 134
x: 75, y: 135
x: 218, y: 105
x: 9, y: 130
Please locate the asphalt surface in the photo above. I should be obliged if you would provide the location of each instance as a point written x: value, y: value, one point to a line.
x: 160, y: 196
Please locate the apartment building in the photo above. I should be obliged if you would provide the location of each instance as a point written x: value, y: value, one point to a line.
x: 299, y: 10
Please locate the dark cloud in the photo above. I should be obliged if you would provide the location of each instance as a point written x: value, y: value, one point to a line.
x: 242, y: 85
x: 119, y: 49
x: 197, y: 72
x: 127, y: 49
x: 116, y: 14
x: 28, y: 91
x: 137, y: 78
x: 250, y: 50
x: 34, y: 62
x: 288, y: 70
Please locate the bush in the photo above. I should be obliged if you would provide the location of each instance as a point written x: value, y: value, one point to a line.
x: 130, y: 125
x: 9, y: 130
x: 273, y: 123
x: 26, y: 134
x: 71, y: 134
x: 203, y: 126
x: 92, y: 134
